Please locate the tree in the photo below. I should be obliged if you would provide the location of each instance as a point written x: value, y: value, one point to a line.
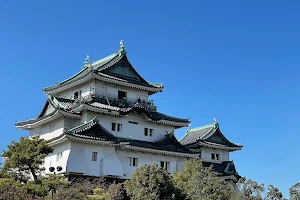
x: 250, y: 189
x: 150, y: 182
x: 201, y: 183
x: 11, y: 189
x: 295, y: 192
x: 116, y: 192
x: 24, y: 158
x: 274, y: 193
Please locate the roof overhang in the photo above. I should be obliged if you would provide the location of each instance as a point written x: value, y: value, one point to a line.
x: 30, y: 124
x: 155, y: 151
x: 65, y: 137
x: 214, y: 146
x: 103, y: 110
x: 176, y: 124
x: 102, y: 77
x: 110, y: 79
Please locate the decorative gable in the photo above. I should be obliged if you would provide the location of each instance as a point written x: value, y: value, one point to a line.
x: 122, y: 69
x: 217, y: 137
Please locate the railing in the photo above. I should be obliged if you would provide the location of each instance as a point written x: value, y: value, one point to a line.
x: 114, y: 100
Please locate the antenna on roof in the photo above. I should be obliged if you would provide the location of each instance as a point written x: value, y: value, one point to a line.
x: 122, y: 48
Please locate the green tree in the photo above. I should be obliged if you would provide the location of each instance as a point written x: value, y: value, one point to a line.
x: 274, y: 193
x: 11, y: 189
x: 295, y: 192
x: 24, y: 158
x: 150, y: 182
x: 116, y: 192
x: 250, y: 190
x: 201, y: 183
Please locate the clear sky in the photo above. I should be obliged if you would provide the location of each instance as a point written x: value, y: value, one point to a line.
x: 237, y: 61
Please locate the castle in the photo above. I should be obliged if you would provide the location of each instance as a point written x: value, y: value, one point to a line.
x: 101, y: 123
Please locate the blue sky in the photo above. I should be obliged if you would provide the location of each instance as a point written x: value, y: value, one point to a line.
x: 237, y: 61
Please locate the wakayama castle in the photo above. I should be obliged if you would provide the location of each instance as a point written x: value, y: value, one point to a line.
x: 102, y: 123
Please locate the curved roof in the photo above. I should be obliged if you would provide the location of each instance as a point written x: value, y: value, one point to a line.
x: 209, y: 135
x: 73, y: 108
x: 115, y: 67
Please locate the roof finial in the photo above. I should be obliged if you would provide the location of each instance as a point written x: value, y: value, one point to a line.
x: 189, y: 127
x: 86, y: 61
x: 216, y: 123
x: 122, y: 47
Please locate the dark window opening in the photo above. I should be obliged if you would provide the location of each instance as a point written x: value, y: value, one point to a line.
x: 146, y: 132
x: 119, y: 128
x: 122, y: 94
x: 94, y: 156
x: 113, y: 126
x: 212, y: 156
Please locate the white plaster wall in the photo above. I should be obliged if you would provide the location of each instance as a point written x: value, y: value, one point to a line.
x: 80, y: 160
x: 206, y: 154
x: 134, y: 131
x: 176, y: 163
x: 44, y: 130
x: 51, y: 159
x: 111, y: 161
x: 112, y: 89
x: 85, y: 90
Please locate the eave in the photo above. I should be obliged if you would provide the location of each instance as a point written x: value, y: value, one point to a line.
x: 107, y: 111
x: 91, y: 75
x: 30, y: 124
x: 65, y: 137
x: 162, y: 152
x: 213, y: 145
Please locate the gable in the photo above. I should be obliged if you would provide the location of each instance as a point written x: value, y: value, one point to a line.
x: 123, y: 70
x: 48, y: 109
x: 217, y: 137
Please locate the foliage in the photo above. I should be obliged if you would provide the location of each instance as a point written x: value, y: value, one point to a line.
x: 250, y: 189
x: 150, y: 182
x: 295, y: 192
x: 98, y: 194
x: 116, y: 192
x: 24, y: 158
x: 274, y: 193
x: 77, y: 190
x: 13, y: 190
x: 198, y: 182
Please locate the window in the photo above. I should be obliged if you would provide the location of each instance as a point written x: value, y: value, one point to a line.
x: 116, y: 127
x: 132, y: 122
x: 119, y: 128
x: 215, y: 156
x: 58, y: 157
x: 122, y: 94
x: 113, y: 126
x: 132, y: 161
x: 148, y: 132
x: 77, y: 94
x: 94, y: 156
x: 165, y: 165
x: 151, y: 132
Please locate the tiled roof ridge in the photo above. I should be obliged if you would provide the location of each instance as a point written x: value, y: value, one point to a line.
x: 186, y: 119
x: 201, y: 127
x: 88, y: 124
x: 172, y: 137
